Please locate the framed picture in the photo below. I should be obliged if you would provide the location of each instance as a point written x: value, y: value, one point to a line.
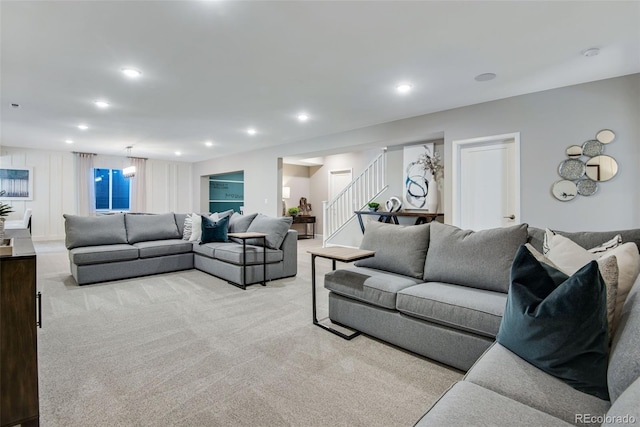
x: 16, y: 183
x: 416, y: 179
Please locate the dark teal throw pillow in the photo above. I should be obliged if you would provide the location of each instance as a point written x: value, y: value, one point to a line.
x: 558, y: 323
x: 214, y: 231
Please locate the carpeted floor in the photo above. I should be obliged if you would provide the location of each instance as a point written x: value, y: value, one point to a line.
x: 188, y: 349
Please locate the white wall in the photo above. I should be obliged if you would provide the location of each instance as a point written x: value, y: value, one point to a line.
x: 169, y: 186
x: 548, y: 122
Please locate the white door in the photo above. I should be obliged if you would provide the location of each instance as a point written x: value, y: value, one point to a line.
x: 338, y: 180
x: 486, y: 192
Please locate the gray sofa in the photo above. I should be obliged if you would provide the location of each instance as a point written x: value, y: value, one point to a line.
x: 119, y: 246
x: 441, y: 292
x: 501, y: 389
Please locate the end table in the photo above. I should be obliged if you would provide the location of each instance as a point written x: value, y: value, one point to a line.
x: 334, y: 253
x: 244, y: 237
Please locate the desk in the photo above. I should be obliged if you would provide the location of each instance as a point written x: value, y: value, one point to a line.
x: 244, y: 237
x: 334, y: 253
x: 388, y: 217
x: 306, y: 220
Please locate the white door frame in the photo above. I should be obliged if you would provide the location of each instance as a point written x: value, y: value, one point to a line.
x: 456, y: 148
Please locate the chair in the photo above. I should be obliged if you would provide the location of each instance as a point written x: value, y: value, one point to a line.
x: 25, y: 222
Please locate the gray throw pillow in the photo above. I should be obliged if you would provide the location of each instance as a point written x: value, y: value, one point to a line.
x: 479, y: 259
x: 399, y: 248
x: 240, y: 223
x: 94, y: 230
x: 276, y: 228
x: 144, y: 228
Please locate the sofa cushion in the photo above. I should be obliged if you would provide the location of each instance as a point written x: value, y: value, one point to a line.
x: 624, y: 360
x: 207, y: 249
x: 558, y: 323
x: 504, y: 372
x: 181, y: 222
x: 214, y: 231
x: 467, y: 404
x: 369, y: 285
x: 480, y: 259
x: 233, y: 253
x: 156, y: 248
x: 240, y: 223
x: 399, y: 249
x: 94, y: 230
x: 625, y: 408
x: 586, y: 239
x: 276, y: 228
x: 476, y: 310
x: 101, y: 254
x: 142, y: 228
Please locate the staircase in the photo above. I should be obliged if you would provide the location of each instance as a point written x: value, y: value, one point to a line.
x: 355, y: 196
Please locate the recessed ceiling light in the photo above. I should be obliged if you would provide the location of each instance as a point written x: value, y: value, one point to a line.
x: 303, y: 117
x: 101, y: 104
x: 68, y: 141
x: 208, y: 144
x: 131, y: 72
x: 485, y: 77
x: 592, y: 51
x: 83, y: 127
x: 252, y: 131
x: 178, y: 153
x: 404, y: 88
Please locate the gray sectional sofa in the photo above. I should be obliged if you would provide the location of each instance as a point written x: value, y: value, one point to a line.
x: 119, y: 246
x: 501, y: 389
x: 441, y: 292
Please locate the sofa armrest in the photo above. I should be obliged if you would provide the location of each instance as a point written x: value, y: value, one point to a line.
x: 289, y: 248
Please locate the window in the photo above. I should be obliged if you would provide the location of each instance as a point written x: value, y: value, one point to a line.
x: 112, y: 190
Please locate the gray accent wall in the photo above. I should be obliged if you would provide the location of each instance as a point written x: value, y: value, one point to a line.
x: 548, y: 122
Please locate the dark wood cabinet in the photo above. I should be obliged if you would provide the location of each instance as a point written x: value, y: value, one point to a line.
x: 19, y: 402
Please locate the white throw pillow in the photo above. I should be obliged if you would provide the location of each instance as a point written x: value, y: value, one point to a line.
x: 613, y: 243
x: 196, y: 227
x: 570, y: 256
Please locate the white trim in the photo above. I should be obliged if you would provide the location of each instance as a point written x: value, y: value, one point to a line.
x: 456, y: 148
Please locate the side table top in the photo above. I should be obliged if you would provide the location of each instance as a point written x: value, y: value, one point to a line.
x: 342, y: 253
x: 247, y: 235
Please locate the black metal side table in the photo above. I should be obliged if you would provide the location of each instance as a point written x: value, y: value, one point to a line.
x: 334, y: 253
x: 244, y: 237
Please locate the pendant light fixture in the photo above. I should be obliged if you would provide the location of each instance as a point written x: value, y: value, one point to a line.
x: 130, y: 171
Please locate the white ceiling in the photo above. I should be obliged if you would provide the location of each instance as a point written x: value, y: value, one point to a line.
x: 212, y: 69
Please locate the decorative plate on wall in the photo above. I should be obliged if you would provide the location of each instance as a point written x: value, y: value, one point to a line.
x: 572, y: 169
x: 587, y: 187
x: 592, y: 148
x: 564, y: 190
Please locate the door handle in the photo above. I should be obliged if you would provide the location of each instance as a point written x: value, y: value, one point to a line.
x: 39, y: 298
x: 512, y: 217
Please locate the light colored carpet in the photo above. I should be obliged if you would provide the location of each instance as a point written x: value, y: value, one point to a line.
x: 188, y: 349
